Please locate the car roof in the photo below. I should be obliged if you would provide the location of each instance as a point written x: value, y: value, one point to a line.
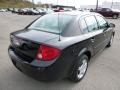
x: 76, y: 13
x: 73, y: 28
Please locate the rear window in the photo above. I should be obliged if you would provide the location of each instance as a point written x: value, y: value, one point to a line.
x: 52, y: 23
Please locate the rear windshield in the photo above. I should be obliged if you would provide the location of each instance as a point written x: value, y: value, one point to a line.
x: 53, y: 23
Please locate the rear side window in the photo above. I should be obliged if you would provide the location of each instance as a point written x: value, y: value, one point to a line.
x: 104, y: 10
x: 91, y: 23
x: 83, y: 26
x: 101, y: 22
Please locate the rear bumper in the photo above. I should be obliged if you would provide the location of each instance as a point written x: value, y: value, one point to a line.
x: 51, y: 73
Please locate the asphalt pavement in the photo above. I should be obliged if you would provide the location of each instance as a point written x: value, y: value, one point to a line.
x: 103, y: 72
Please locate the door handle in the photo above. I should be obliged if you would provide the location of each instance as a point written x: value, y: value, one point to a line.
x: 92, y: 40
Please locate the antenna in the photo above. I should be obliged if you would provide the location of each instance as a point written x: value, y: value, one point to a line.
x: 59, y: 25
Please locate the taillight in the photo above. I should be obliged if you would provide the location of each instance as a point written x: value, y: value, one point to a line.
x: 47, y: 53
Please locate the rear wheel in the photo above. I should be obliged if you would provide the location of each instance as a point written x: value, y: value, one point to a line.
x: 79, y: 69
x: 115, y: 16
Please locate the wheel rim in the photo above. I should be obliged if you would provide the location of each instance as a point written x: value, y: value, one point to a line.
x: 82, y: 69
x: 115, y: 16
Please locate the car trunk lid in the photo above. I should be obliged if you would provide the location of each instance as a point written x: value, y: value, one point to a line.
x: 27, y: 42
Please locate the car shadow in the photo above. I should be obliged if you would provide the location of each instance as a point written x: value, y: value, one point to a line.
x: 99, y: 54
x: 15, y: 79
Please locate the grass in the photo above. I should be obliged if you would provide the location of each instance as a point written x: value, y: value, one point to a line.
x: 13, y: 4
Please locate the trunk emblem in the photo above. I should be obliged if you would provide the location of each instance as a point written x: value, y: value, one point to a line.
x: 17, y: 42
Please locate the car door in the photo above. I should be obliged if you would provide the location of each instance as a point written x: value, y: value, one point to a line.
x: 96, y: 33
x: 107, y: 31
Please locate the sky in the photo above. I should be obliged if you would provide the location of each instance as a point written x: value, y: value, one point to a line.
x: 76, y: 3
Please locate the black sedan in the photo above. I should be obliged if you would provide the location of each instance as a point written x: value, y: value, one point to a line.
x: 60, y: 45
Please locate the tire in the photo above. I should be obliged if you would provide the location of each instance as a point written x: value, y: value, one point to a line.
x: 115, y: 16
x: 79, y: 69
x: 111, y: 41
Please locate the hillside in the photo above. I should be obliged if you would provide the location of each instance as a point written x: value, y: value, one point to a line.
x: 15, y: 3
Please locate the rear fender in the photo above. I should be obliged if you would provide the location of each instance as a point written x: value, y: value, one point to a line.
x: 82, y: 51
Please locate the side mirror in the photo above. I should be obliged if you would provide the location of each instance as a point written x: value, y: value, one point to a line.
x: 111, y: 25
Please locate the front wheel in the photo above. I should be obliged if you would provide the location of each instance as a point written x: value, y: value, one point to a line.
x: 79, y: 69
x: 111, y: 41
